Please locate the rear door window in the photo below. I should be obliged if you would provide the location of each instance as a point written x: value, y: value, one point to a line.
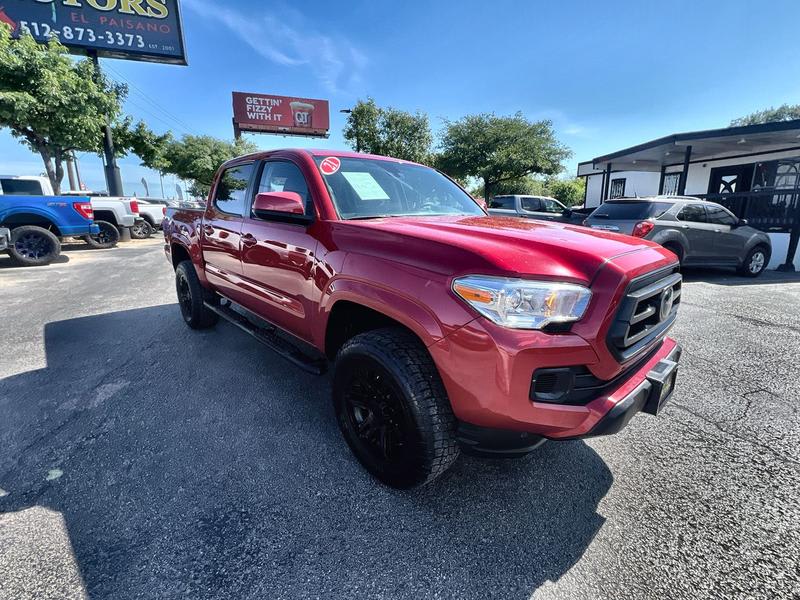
x: 694, y: 213
x: 505, y: 202
x: 630, y: 211
x: 531, y: 204
x: 231, y: 193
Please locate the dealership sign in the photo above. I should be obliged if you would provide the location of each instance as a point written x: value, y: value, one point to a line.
x: 133, y: 29
x: 280, y: 114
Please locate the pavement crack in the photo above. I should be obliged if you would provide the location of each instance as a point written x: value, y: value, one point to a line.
x: 768, y: 449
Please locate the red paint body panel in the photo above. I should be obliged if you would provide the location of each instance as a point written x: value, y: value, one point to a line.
x: 404, y: 267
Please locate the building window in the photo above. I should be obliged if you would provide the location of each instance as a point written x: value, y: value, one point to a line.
x: 671, y: 182
x: 617, y: 188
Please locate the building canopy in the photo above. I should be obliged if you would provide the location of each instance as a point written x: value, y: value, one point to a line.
x: 705, y: 145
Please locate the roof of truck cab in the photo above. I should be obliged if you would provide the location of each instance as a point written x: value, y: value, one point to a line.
x: 314, y: 152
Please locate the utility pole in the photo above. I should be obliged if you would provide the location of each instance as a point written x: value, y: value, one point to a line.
x: 349, y: 111
x: 77, y: 170
x: 113, y: 179
x: 70, y: 171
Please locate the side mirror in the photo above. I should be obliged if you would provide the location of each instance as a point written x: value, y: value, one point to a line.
x: 567, y: 212
x: 741, y: 223
x: 267, y: 204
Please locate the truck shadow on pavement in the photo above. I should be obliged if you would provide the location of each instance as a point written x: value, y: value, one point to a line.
x: 199, y: 464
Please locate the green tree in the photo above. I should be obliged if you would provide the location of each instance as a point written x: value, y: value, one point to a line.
x: 785, y: 112
x: 499, y: 149
x: 139, y: 139
x: 569, y: 191
x: 527, y: 186
x: 389, y: 131
x: 52, y: 103
x: 197, y: 157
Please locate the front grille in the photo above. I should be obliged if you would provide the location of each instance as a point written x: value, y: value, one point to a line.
x: 646, y: 312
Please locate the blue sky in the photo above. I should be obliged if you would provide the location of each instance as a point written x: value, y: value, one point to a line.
x: 608, y: 74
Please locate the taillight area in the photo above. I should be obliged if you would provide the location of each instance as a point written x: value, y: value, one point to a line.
x: 134, y: 207
x: 84, y: 209
x: 642, y: 228
x: 164, y: 210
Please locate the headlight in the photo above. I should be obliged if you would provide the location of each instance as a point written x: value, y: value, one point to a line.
x: 522, y: 303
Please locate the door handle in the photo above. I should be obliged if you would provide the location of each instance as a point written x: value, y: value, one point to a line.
x: 208, y: 229
x: 718, y: 231
x: 684, y: 227
x: 249, y: 240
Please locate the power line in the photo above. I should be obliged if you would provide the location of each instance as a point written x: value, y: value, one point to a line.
x: 143, y: 95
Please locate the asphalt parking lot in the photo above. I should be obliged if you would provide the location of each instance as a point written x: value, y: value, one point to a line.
x: 141, y: 459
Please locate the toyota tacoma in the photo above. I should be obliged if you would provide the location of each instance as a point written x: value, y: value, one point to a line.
x: 446, y: 329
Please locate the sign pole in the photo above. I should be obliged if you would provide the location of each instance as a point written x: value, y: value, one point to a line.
x: 113, y: 179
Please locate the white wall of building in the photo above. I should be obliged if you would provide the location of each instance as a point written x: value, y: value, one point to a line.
x: 637, y: 183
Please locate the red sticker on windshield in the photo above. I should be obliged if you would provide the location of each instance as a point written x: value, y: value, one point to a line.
x: 330, y: 165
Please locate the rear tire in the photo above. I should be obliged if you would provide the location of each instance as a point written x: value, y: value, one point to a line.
x: 32, y: 246
x: 676, y: 250
x: 141, y: 230
x: 392, y: 408
x: 191, y: 297
x: 755, y: 262
x: 107, y: 238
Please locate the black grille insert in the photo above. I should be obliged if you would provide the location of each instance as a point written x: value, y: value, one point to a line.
x: 646, y: 312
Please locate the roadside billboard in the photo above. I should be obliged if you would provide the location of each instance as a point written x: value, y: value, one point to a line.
x: 286, y: 115
x: 130, y: 29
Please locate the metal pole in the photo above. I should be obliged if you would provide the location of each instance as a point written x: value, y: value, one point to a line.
x: 77, y: 170
x: 161, y: 177
x: 70, y: 172
x: 687, y: 156
x: 113, y: 179
x: 607, y: 182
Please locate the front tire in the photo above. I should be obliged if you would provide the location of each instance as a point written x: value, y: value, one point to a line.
x: 108, y: 237
x: 755, y: 262
x: 392, y: 408
x: 141, y: 230
x: 191, y: 297
x: 32, y: 246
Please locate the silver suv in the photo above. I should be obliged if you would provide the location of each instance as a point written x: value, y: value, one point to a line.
x: 700, y: 233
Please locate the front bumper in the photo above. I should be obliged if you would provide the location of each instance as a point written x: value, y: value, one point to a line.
x: 487, y: 372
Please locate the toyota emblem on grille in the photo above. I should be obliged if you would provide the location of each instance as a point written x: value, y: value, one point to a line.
x: 667, y: 297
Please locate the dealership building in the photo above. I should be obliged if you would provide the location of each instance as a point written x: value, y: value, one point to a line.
x: 753, y: 170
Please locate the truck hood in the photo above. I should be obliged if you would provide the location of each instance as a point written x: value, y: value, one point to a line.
x: 496, y: 245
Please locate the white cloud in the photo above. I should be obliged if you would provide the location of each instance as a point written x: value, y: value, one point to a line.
x: 285, y: 38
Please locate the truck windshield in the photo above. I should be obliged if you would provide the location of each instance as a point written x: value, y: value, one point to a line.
x: 627, y: 210
x: 363, y: 188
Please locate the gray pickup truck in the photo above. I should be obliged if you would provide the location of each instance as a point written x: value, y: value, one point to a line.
x: 536, y: 207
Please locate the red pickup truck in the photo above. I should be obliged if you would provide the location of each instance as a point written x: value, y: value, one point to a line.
x: 447, y: 329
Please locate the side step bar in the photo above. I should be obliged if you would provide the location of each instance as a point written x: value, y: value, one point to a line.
x: 269, y: 337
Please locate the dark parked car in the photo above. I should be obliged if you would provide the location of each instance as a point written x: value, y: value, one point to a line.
x: 535, y: 207
x: 700, y: 233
